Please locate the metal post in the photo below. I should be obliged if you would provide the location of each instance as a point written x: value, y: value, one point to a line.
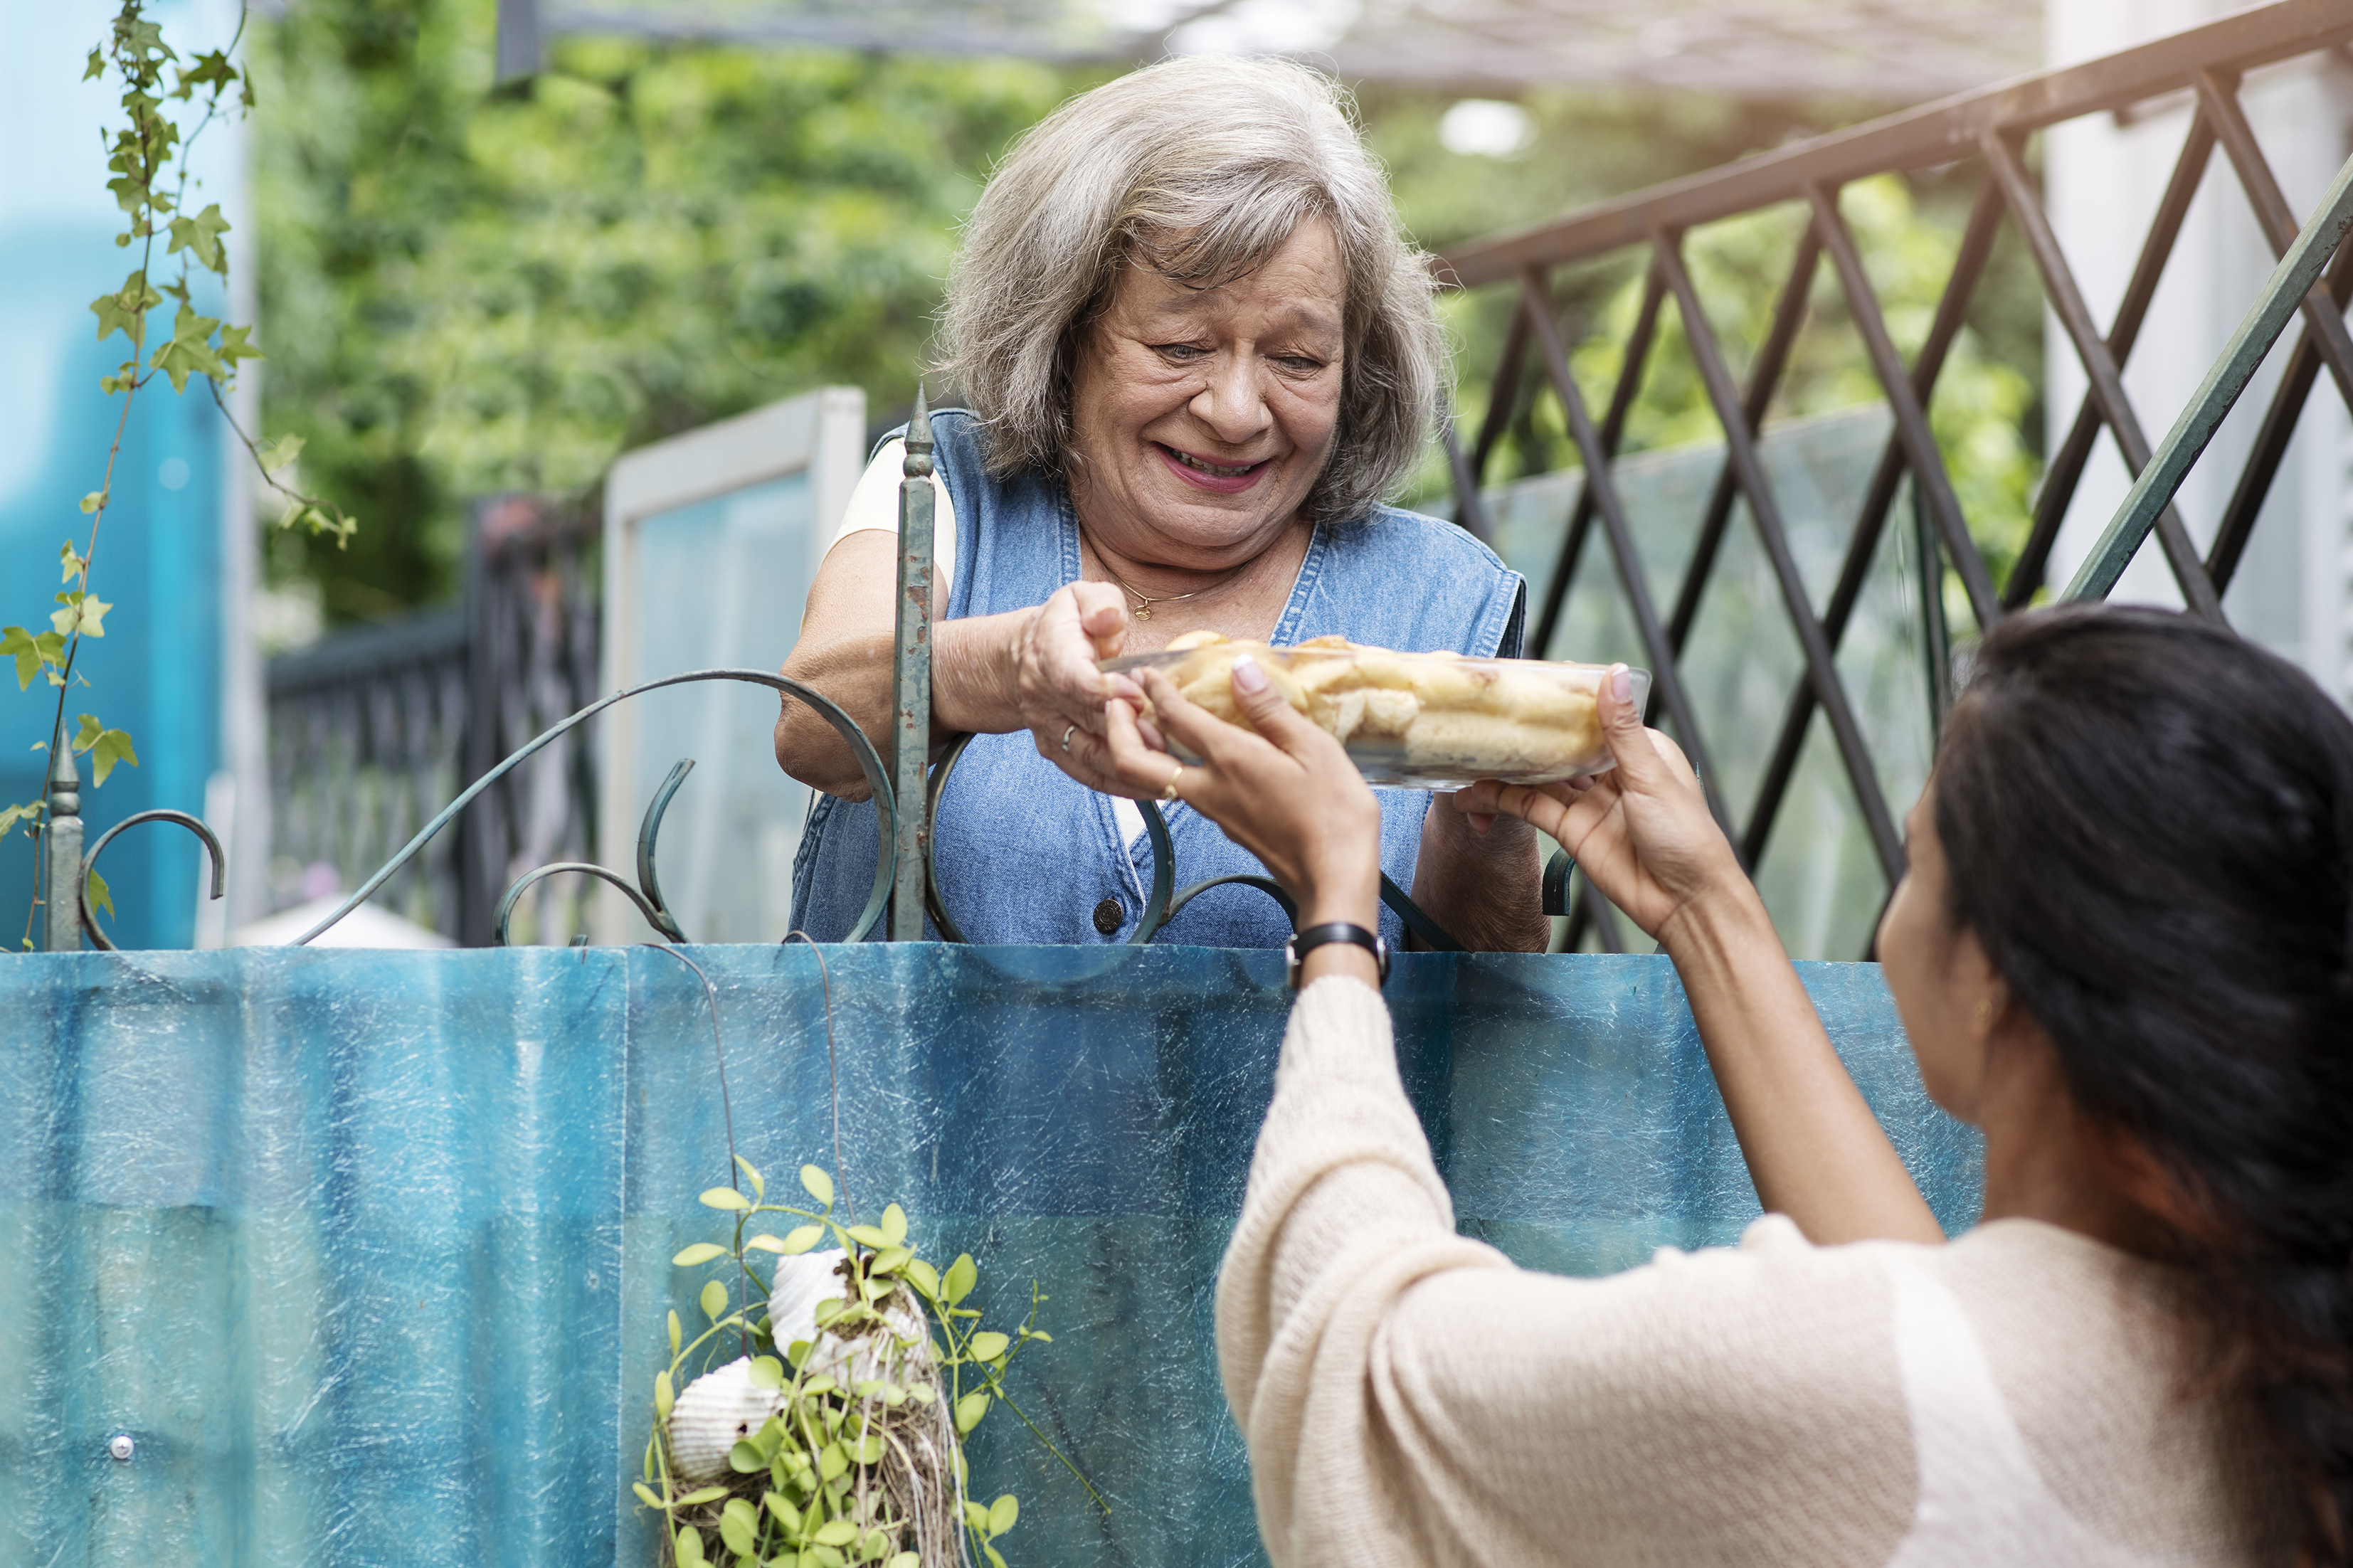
x: 911, y: 734
x: 61, y: 848
x: 2152, y: 493
x: 1936, y: 640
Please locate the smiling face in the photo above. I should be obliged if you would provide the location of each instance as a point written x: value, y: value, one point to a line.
x: 1945, y: 987
x: 1202, y: 416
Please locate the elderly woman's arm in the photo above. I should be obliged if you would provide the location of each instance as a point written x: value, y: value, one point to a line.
x: 1032, y: 669
x: 1479, y: 878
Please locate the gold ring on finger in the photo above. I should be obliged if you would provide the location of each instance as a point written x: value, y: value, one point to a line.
x: 1170, y: 792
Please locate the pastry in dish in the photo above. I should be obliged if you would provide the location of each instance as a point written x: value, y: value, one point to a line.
x: 1424, y: 718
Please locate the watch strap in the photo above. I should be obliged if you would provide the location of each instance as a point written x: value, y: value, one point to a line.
x: 1296, y: 949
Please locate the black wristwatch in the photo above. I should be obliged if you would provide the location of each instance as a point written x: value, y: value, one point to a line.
x: 1308, y: 941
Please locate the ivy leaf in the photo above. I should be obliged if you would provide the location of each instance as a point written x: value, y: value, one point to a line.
x: 104, y: 747
x: 97, y: 895
x: 85, y: 611
x: 201, y: 234
x: 234, y: 348
x: 89, y: 504
x: 275, y: 455
x: 16, y: 643
x: 142, y: 40
x: 113, y: 746
x: 97, y: 66
x: 190, y: 351
x: 70, y: 561
x: 212, y: 69
x: 11, y: 815
x: 125, y: 310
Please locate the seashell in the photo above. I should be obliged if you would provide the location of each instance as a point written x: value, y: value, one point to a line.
x: 801, y: 1282
x: 715, y: 1413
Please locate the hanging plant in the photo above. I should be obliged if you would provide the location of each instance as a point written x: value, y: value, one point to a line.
x: 837, y: 1434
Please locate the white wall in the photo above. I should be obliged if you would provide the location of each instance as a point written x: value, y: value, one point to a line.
x: 2294, y: 592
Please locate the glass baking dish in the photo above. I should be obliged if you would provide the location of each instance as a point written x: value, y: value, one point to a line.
x: 1414, y: 721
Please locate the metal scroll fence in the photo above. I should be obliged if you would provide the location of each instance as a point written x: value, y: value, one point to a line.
x: 1993, y: 129
x: 373, y: 731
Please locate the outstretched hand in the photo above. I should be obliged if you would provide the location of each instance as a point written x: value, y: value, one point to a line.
x: 1284, y: 790
x: 1054, y: 683
x: 1640, y: 832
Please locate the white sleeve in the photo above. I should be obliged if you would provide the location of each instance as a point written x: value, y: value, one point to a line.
x: 874, y: 505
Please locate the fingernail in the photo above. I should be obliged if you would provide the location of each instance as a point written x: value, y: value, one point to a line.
x: 1621, y: 683
x: 1248, y: 676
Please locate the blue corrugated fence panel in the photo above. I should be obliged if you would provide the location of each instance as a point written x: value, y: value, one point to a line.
x: 369, y: 1252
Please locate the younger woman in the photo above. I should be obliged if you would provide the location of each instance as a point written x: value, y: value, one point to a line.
x: 2121, y: 950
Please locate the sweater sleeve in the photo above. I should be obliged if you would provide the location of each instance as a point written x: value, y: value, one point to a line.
x: 1409, y: 1397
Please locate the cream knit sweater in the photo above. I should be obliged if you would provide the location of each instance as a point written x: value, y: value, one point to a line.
x: 1410, y: 1397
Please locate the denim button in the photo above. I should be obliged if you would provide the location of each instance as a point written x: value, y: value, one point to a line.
x: 1108, y: 915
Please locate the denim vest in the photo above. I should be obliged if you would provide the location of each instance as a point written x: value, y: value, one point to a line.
x: 1025, y: 854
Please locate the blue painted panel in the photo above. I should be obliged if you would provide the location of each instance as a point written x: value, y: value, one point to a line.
x: 370, y: 1251
x: 722, y: 582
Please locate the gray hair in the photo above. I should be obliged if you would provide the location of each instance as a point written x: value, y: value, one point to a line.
x: 1200, y: 168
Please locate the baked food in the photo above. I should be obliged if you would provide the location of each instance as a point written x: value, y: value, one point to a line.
x: 1430, y: 719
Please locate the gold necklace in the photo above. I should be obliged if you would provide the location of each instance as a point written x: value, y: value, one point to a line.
x: 1143, y: 602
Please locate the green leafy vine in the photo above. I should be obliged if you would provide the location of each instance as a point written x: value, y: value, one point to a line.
x: 149, y: 157
x: 811, y: 1485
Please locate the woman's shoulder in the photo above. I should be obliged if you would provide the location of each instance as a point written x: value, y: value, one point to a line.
x: 1398, y: 579
x: 1394, y: 532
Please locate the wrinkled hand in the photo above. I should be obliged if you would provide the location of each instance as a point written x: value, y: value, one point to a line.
x: 1287, y: 794
x: 1054, y: 683
x: 1642, y: 832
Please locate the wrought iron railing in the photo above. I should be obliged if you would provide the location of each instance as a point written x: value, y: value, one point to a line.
x: 1993, y: 127
x: 370, y: 731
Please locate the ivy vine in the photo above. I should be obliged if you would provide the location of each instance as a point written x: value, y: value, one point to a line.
x: 148, y: 155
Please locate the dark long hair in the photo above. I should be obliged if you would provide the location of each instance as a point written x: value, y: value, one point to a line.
x: 2150, y: 826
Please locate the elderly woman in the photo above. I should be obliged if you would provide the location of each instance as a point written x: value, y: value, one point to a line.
x: 1197, y: 351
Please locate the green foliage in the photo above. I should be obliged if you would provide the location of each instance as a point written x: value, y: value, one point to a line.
x: 809, y: 1492
x: 473, y: 291
x: 104, y: 747
x: 147, y: 156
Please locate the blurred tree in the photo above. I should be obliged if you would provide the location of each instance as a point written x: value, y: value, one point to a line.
x: 467, y: 291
